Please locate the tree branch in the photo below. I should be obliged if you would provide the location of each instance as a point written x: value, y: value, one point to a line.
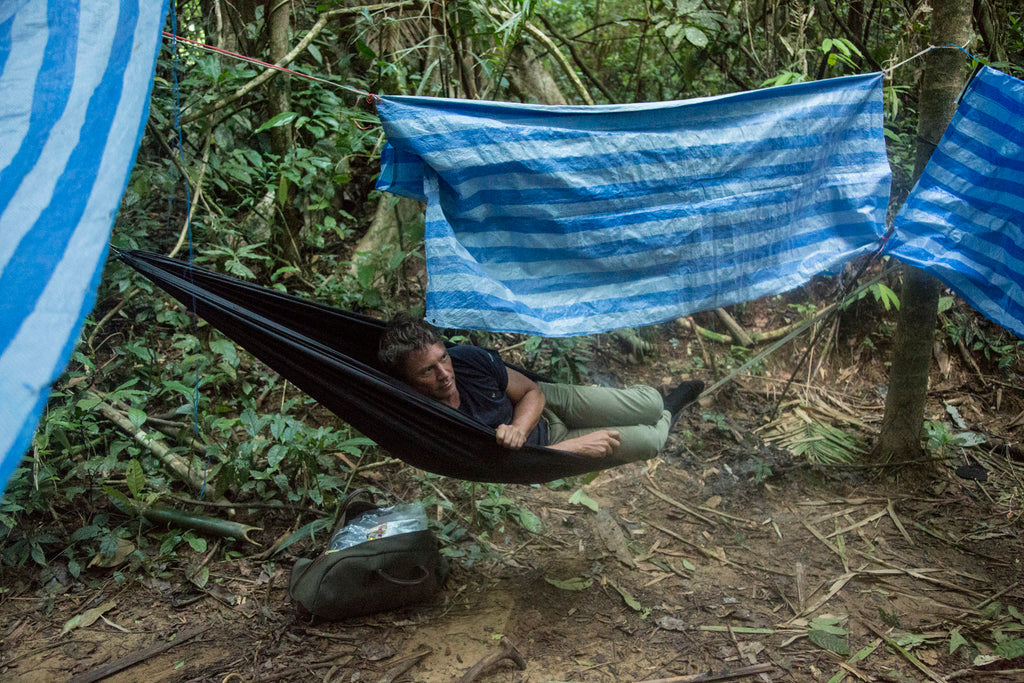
x: 544, y: 40
x: 576, y: 58
x: 854, y: 38
x: 269, y: 73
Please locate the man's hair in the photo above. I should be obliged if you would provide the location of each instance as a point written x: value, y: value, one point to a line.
x: 403, y: 335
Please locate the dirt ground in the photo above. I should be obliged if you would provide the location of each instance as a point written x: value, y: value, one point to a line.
x: 697, y: 561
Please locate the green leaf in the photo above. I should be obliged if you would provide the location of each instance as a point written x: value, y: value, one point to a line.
x: 581, y: 498
x: 196, y: 543
x: 365, y: 50
x: 689, y: 565
x: 275, y: 455
x: 530, y: 521
x: 135, y: 477
x: 629, y: 599
x: 576, y: 583
x: 283, y: 119
x: 82, y: 533
x: 955, y: 640
x: 118, y: 496
x: 202, y: 577
x: 1011, y: 649
x: 225, y: 349
x: 697, y: 37
x: 826, y: 45
x: 136, y: 417
x: 88, y: 403
x: 308, y: 530
x: 38, y: 556
x: 830, y: 641
x: 109, y: 545
x: 358, y: 441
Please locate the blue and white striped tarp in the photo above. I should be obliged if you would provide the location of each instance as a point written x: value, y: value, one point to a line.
x: 75, y: 77
x: 964, y: 220
x: 574, y: 220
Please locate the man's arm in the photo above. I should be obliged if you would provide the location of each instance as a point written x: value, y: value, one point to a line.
x: 527, y: 405
x: 597, y: 444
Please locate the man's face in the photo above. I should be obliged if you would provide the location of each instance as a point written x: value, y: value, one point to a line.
x: 429, y: 371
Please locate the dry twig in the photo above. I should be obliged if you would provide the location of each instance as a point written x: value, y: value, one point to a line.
x: 507, y: 651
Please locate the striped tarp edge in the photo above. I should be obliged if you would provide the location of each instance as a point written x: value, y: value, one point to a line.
x: 573, y: 220
x: 963, y: 222
x: 75, y: 77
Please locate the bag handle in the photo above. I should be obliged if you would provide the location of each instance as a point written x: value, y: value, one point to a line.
x: 405, y: 582
x: 357, y: 502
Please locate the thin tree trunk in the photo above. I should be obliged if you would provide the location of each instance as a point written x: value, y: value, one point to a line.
x: 944, y: 76
x: 282, y: 137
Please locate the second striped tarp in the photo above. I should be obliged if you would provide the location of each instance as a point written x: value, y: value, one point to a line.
x: 964, y: 220
x: 574, y: 220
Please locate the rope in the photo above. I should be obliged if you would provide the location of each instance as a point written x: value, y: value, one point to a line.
x: 188, y: 219
x: 844, y: 291
x: 952, y: 46
x: 267, y: 65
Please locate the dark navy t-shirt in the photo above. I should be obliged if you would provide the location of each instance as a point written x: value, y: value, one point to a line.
x: 482, y: 379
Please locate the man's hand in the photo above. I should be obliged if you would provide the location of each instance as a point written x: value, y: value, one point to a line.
x: 511, y: 436
x: 595, y: 444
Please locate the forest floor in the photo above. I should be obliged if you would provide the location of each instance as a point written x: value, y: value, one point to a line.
x: 725, y: 554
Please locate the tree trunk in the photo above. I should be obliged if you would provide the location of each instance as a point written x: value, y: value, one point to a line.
x: 529, y: 80
x: 944, y: 76
x: 286, y: 236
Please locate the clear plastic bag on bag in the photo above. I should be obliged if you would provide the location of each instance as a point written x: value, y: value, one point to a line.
x: 378, y: 523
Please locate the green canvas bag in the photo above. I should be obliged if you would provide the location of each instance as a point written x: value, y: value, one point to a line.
x: 373, y: 576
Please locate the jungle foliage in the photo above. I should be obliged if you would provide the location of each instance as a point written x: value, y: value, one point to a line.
x: 213, y: 181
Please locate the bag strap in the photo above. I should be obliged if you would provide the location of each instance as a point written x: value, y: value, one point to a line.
x: 356, y: 503
x: 424, y: 575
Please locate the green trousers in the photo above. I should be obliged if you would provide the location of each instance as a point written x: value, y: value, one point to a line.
x: 637, y: 413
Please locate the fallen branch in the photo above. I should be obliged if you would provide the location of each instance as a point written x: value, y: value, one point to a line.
x: 738, y: 333
x: 706, y: 553
x: 404, y: 664
x: 175, y: 464
x: 508, y: 651
x: 208, y: 525
x: 250, y: 505
x: 140, y: 656
x: 682, y: 506
x: 714, y: 676
x: 910, y: 658
x: 689, y: 324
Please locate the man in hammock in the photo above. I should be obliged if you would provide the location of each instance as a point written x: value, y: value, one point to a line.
x: 631, y: 423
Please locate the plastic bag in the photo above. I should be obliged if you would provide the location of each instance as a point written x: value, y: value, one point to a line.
x: 378, y: 523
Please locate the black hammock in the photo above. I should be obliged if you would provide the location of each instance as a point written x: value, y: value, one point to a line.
x: 332, y: 355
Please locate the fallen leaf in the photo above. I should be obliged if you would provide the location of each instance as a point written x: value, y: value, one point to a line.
x: 88, y: 617
x: 576, y: 583
x: 124, y: 549
x: 671, y: 624
x: 628, y: 598
x: 611, y: 533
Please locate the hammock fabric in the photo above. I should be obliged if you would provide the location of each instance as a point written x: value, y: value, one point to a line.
x: 332, y: 355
